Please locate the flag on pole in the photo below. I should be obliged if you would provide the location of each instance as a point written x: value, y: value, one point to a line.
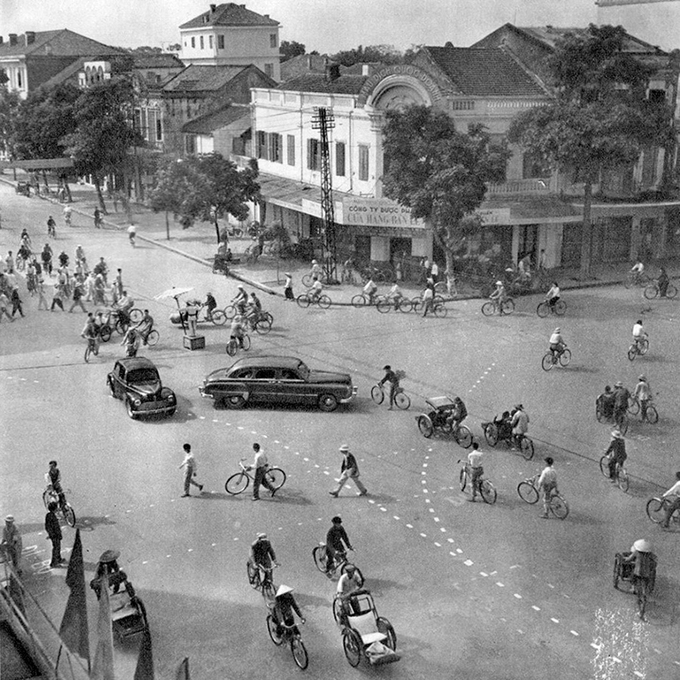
x: 102, y: 668
x: 73, y: 630
x: 183, y: 670
x: 144, y: 670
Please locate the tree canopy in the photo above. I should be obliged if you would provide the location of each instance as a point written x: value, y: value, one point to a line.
x: 439, y: 172
x: 9, y: 105
x: 599, y: 118
x: 290, y: 49
x: 385, y: 54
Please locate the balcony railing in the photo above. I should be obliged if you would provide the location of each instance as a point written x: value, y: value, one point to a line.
x: 520, y: 186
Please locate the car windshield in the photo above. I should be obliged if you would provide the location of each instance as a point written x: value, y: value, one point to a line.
x: 142, y: 375
x: 303, y: 370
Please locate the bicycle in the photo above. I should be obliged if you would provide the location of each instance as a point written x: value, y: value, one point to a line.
x: 152, y: 338
x: 401, y: 399
x: 638, y: 347
x: 308, y: 279
x: 545, y: 308
x: 386, y: 304
x: 551, y: 358
x: 92, y: 348
x: 486, y: 489
x: 280, y: 634
x: 490, y: 307
x: 651, y: 415
x: 620, y: 473
x: 234, y: 345
x: 307, y: 299
x: 260, y: 579
x: 528, y: 492
x: 656, y: 510
x: 340, y: 562
x: 240, y: 481
x: 636, y: 279
x: 521, y: 442
x: 64, y: 507
x: 653, y: 291
x: 363, y: 300
x: 260, y: 322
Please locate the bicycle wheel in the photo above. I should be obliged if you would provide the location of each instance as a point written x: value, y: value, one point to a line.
x: 307, y: 280
x: 319, y: 556
x: 508, y: 307
x: 644, y: 346
x: 386, y: 628
x: 253, y: 575
x: 622, y: 422
x: 491, y: 434
x: 440, y: 310
x: 377, y: 394
x: 565, y: 358
x: 324, y: 301
x: 527, y: 448
x: 632, y: 351
x: 604, y: 465
x: 559, y: 507
x: 384, y: 306
x: 527, y: 492
x: 229, y: 312
x: 488, y: 491
x: 417, y: 305
x: 231, y: 348
x: 405, y: 305
x: 262, y: 327
x: 651, y: 291
x: 88, y: 351
x: 440, y: 288
x: 276, y: 477
x: 358, y: 301
x: 218, y: 317
x: 652, y: 415
x: 48, y: 496
x: 671, y: 291
x: 425, y: 426
x: 633, y: 407
x: 303, y: 301
x: 136, y: 315
x: 622, y: 479
x: 463, y: 437
x: 463, y: 479
x: 153, y: 338
x: 547, y: 362
x: 237, y: 483
x: 273, y: 630
x: 246, y: 342
x: 69, y: 515
x: 402, y: 400
x: 488, y: 308
x: 105, y: 333
x: 560, y: 307
x: 299, y: 651
x: 543, y: 309
x: 656, y: 510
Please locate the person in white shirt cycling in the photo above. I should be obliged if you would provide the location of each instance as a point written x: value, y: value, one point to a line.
x: 553, y: 295
x: 499, y: 295
x: 639, y: 333
x: 370, y: 289
x: 316, y: 289
x: 557, y: 344
x: 674, y: 494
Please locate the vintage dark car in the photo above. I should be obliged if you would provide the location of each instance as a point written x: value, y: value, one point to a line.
x: 277, y: 379
x: 136, y: 381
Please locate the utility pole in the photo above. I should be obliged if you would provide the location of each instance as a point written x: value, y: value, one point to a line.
x: 324, y: 121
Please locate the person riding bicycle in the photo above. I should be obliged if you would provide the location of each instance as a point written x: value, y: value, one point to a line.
x: 210, y: 305
x: 284, y: 607
x: 606, y: 403
x: 67, y: 215
x: 643, y: 394
x: 317, y: 270
x: 395, y: 295
x: 547, y: 484
x: 662, y: 282
x: 53, y: 479
x: 557, y: 344
x: 393, y: 379
x: 520, y: 424
x: 131, y: 342
x: 370, y: 289
x: 236, y: 331
x: 617, y: 453
x: 91, y: 332
x: 101, y: 268
x: 643, y: 560
x: 639, y: 334
x: 25, y: 236
x: 621, y: 399
x: 262, y: 555
x: 337, y: 541
x: 123, y: 307
x: 474, y: 469
x: 637, y: 270
x: 499, y: 295
x: 316, y: 289
x: 145, y: 326
x: 673, y: 494
x: 553, y: 295
x: 254, y: 307
x: 132, y: 233
x: 458, y: 413
x: 240, y: 300
x: 24, y: 252
x: 51, y: 226
x: 504, y: 425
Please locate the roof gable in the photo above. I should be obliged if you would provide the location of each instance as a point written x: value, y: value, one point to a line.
x: 484, y: 72
x: 229, y: 14
x: 202, y: 78
x: 210, y: 122
x: 60, y: 43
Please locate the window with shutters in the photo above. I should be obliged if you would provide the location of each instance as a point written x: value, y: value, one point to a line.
x: 313, y: 154
x: 290, y: 140
x: 340, y: 159
x: 262, y: 145
x: 363, y: 162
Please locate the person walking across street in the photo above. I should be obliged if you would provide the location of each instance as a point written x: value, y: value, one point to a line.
x: 260, y: 466
x: 78, y: 297
x: 288, y: 287
x: 16, y: 303
x: 4, y: 304
x: 643, y: 393
x: 12, y: 543
x: 547, y: 483
x: 348, y: 470
x: 190, y: 467
x: 54, y: 534
x: 475, y: 469
x: 42, y: 300
x: 621, y: 399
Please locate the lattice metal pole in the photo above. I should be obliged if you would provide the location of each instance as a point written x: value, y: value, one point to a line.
x: 324, y: 121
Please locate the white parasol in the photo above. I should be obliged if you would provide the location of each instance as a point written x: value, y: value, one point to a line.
x: 173, y: 292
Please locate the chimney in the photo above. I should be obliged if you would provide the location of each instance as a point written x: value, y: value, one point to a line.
x: 365, y: 69
x: 30, y: 37
x: 332, y: 72
x: 12, y: 38
x: 213, y: 8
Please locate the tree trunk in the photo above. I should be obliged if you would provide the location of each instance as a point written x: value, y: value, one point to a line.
x: 167, y: 226
x: 586, y: 231
x: 98, y: 187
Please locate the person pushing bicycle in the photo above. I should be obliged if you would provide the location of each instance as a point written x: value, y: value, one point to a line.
x: 458, y: 413
x: 393, y: 379
x: 617, y: 453
x: 674, y: 494
x: 547, y: 484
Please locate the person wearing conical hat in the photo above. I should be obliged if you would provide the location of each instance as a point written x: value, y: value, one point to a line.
x: 285, y: 607
x: 617, y: 453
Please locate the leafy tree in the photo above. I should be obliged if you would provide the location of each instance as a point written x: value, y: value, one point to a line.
x: 599, y: 119
x: 385, y: 54
x: 104, y: 133
x: 291, y: 49
x: 438, y: 172
x: 9, y: 105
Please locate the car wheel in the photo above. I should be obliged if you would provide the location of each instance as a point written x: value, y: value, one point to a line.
x: 235, y: 401
x: 130, y: 410
x: 327, y: 402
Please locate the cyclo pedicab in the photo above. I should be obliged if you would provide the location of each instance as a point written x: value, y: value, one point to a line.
x: 440, y: 419
x: 128, y: 614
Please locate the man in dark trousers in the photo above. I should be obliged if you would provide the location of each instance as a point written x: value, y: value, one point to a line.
x: 54, y: 534
x: 337, y: 541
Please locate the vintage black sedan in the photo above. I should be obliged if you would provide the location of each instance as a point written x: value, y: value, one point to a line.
x: 277, y: 379
x: 136, y: 381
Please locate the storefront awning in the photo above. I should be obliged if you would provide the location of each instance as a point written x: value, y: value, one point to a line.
x: 288, y: 193
x: 532, y: 210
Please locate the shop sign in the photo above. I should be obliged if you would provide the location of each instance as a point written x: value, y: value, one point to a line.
x: 495, y: 216
x: 377, y: 212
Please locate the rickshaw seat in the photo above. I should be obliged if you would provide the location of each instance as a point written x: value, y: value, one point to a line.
x: 365, y: 625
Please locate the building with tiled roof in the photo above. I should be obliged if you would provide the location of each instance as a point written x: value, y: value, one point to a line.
x: 224, y: 131
x: 36, y: 57
x: 230, y: 34
x: 318, y: 82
